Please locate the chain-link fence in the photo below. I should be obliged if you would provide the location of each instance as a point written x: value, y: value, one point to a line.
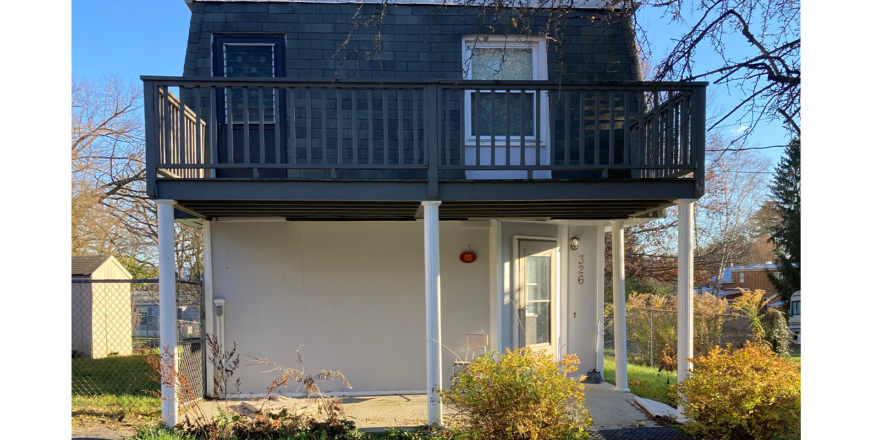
x: 652, y: 334
x: 115, y: 326
x: 190, y: 340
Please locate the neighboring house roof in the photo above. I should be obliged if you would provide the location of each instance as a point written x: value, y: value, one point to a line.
x: 758, y: 267
x: 728, y: 271
x: 86, y: 265
x: 723, y: 293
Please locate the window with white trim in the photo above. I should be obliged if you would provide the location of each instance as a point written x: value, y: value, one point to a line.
x: 502, y: 58
x: 742, y: 277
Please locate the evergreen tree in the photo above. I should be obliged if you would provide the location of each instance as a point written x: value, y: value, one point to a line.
x: 786, y: 235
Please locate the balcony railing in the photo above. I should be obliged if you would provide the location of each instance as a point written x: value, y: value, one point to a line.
x: 432, y: 131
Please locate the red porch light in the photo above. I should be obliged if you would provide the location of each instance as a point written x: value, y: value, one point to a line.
x: 468, y: 256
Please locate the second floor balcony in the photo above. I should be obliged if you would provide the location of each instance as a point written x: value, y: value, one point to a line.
x: 465, y: 141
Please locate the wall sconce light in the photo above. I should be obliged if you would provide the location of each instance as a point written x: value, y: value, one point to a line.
x: 573, y: 243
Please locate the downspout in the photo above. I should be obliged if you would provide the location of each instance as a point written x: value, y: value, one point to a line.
x: 220, y: 313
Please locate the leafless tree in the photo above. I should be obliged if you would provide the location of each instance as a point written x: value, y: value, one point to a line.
x: 110, y: 211
x: 726, y: 230
x: 766, y: 79
x: 736, y: 188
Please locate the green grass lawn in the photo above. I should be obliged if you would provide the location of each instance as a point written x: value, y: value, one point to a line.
x: 644, y: 381
x: 116, y: 375
x: 113, y: 390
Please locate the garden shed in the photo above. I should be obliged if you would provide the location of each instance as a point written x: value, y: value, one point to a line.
x: 101, y: 307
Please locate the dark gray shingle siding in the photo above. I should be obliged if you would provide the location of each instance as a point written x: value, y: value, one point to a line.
x: 418, y: 41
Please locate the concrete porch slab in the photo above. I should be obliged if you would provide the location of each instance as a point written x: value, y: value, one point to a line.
x: 398, y: 411
x: 613, y: 410
x: 609, y: 409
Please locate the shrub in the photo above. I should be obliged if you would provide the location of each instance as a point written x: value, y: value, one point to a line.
x: 522, y: 395
x: 750, y: 304
x: 776, y: 331
x: 749, y: 393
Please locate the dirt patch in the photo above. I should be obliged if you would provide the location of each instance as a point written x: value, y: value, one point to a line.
x: 101, y: 433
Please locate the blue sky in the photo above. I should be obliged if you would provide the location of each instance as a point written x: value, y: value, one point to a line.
x: 130, y: 37
x: 148, y: 37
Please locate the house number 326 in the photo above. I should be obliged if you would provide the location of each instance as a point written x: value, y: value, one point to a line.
x: 581, y: 269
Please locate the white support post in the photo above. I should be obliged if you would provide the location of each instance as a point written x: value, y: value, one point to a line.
x: 619, y: 290
x: 685, y: 289
x: 208, y: 300
x: 496, y: 286
x: 599, y: 275
x: 167, y: 303
x: 432, y: 310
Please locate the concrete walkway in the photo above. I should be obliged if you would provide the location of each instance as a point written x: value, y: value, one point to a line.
x: 613, y: 410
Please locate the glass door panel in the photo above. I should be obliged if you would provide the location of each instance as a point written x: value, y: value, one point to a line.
x: 537, y: 298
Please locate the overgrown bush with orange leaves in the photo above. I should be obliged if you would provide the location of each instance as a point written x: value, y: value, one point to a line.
x: 520, y: 395
x: 749, y: 393
x: 652, y: 322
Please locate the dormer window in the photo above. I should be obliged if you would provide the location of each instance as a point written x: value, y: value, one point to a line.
x: 248, y: 56
x: 250, y: 60
x: 508, y: 59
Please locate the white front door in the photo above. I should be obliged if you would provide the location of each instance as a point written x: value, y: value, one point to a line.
x: 537, y: 295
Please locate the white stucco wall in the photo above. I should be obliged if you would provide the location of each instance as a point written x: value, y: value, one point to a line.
x: 351, y: 294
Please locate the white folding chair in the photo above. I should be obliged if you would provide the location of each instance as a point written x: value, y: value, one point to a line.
x: 472, y: 343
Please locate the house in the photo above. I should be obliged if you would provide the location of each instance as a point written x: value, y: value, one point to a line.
x: 101, y: 308
x: 145, y: 299
x: 372, y: 193
x: 748, y: 277
x: 146, y: 330
x: 794, y: 316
